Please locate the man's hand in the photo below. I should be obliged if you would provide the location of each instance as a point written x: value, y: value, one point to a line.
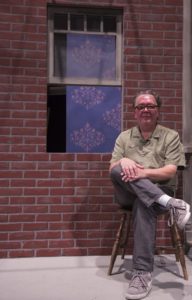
x: 131, y: 170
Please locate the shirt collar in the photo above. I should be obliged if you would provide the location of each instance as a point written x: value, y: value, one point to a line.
x: 156, y: 133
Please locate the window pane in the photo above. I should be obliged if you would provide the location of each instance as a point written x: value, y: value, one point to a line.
x: 93, y: 23
x: 91, y: 56
x: 60, y: 21
x: 77, y: 22
x: 56, y: 122
x: 109, y: 24
x: 60, y: 55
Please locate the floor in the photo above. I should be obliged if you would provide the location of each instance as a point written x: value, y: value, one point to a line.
x: 85, y: 278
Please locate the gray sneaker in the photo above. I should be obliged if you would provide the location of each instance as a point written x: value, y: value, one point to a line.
x: 139, y: 286
x: 181, y: 212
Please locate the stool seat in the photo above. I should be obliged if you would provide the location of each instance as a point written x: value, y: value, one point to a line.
x: 123, y: 233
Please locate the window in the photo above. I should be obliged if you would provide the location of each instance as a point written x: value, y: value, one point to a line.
x: 85, y: 39
x: 84, y: 81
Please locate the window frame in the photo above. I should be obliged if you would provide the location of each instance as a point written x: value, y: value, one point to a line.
x: 52, y: 79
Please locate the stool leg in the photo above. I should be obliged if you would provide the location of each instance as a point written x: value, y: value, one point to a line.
x: 126, y: 235
x: 116, y: 245
x: 174, y: 241
x: 179, y: 249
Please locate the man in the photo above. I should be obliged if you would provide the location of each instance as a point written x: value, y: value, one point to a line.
x: 143, y: 169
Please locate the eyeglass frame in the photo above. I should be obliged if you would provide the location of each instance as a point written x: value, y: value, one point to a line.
x: 148, y: 106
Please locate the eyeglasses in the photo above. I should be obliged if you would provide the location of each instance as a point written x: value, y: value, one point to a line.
x: 148, y: 107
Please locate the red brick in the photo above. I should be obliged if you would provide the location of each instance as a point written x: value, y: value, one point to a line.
x: 88, y: 243
x: 3, y: 254
x: 24, y: 10
x: 74, y: 252
x: 4, y: 183
x: 62, y: 191
x: 21, y: 253
x: 61, y: 243
x: 48, y: 235
x: 35, y: 226
x: 48, y: 252
x: 62, y: 208
x: 87, y: 226
x: 10, y: 209
x: 35, y: 209
x: 22, y: 200
x: 22, y: 182
x: 49, y: 200
x: 75, y: 235
x: 3, y: 218
x: 21, y: 218
x: 62, y: 174
x: 34, y: 244
x: 61, y: 226
x: 35, y: 191
x: 101, y: 217
x: 23, y: 148
x: 48, y: 217
x: 21, y: 236
x: 99, y: 251
x: 9, y: 245
x: 11, y: 192
x: 3, y: 236
x: 88, y: 208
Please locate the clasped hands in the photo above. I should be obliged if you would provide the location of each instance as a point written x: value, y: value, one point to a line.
x: 131, y: 170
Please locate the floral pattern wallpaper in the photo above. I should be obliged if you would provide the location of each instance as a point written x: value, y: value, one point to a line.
x: 93, y: 118
x: 91, y: 56
x: 93, y: 112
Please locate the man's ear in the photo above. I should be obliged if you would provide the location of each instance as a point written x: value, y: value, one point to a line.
x: 135, y: 115
x: 159, y: 114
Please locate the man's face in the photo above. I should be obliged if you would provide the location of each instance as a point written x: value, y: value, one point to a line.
x: 146, y: 110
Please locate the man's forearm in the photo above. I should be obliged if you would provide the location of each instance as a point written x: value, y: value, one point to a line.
x: 161, y: 174
x: 158, y: 174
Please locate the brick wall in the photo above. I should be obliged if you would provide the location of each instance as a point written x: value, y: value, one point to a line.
x: 62, y: 204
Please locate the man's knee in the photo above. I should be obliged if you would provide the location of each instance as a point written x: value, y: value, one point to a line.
x: 115, y: 172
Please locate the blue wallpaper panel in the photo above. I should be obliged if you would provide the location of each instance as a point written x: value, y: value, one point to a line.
x: 91, y: 56
x: 93, y: 118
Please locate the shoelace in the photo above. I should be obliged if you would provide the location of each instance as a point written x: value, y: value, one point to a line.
x: 171, y: 218
x: 173, y: 215
x: 138, y: 280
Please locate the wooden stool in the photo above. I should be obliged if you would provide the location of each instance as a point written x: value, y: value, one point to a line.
x: 123, y: 233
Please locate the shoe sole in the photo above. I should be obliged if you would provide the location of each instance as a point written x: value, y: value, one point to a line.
x: 187, y: 217
x: 140, y: 296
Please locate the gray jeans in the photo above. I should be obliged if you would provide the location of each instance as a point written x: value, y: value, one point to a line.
x: 140, y: 196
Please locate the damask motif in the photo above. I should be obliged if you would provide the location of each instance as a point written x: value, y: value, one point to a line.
x: 113, y: 117
x: 87, y: 96
x: 87, y: 138
x: 86, y: 54
x: 110, y: 73
x: 91, y: 56
x: 93, y: 118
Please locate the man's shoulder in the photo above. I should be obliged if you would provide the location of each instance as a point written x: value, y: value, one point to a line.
x: 161, y: 128
x: 128, y: 131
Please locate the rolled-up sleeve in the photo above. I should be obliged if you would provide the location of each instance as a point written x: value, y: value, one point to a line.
x: 118, y: 151
x: 174, y: 150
